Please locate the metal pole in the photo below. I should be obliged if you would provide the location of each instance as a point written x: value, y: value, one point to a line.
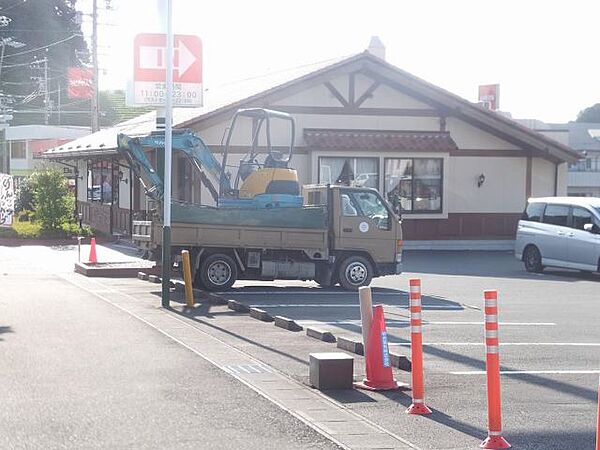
x: 94, y: 67
x: 166, y: 247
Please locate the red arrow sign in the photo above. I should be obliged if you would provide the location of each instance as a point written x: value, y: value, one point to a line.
x: 149, y: 58
x: 149, y: 68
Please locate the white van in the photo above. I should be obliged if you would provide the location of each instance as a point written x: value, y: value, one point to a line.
x: 560, y: 232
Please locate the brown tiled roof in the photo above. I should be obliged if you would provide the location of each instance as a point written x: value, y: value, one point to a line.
x: 414, y: 141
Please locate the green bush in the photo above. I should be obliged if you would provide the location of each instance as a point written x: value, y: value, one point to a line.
x: 52, y: 201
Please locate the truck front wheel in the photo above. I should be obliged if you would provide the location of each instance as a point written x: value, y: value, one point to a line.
x: 355, y: 272
x: 218, y: 272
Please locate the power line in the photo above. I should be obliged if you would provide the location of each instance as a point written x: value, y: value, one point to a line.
x: 44, y: 47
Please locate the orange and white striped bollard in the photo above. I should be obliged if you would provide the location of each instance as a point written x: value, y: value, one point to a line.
x: 492, y: 364
x: 416, y: 349
x: 598, y: 420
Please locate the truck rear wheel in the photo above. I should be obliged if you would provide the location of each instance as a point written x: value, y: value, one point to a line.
x: 218, y: 272
x: 355, y: 272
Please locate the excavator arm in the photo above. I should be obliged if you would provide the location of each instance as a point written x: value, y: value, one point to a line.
x: 132, y: 149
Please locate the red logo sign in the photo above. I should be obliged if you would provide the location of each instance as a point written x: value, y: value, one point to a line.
x: 489, y: 95
x: 150, y: 55
x: 80, y: 83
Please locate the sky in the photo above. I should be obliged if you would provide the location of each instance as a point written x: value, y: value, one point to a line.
x: 544, y: 54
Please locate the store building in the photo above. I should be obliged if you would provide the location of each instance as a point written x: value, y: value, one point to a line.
x: 461, y: 173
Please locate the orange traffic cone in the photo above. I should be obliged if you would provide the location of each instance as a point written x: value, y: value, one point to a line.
x: 93, y: 258
x: 377, y: 355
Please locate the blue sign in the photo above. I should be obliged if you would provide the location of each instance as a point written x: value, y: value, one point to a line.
x: 385, y: 352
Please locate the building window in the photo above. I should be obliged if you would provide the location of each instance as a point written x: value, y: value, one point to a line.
x: 363, y: 172
x: 100, y: 181
x: 414, y: 185
x: 18, y: 150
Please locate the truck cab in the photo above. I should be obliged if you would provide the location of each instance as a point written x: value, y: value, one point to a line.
x: 365, y: 235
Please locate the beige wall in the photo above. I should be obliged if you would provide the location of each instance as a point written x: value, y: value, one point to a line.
x: 503, y: 190
x: 467, y: 136
x: 542, y: 178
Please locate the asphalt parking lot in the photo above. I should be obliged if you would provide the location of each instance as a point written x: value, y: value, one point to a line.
x: 549, y: 334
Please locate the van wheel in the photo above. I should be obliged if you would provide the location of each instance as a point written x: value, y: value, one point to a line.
x: 355, y: 272
x: 217, y: 272
x: 532, y: 260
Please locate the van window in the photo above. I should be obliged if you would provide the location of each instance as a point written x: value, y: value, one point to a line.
x: 556, y: 215
x: 580, y: 217
x: 534, y: 212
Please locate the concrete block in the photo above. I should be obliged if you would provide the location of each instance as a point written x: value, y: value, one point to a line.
x: 154, y: 279
x: 350, y: 345
x: 260, y: 314
x: 288, y: 324
x: 333, y: 370
x: 142, y: 276
x: 237, y: 306
x: 215, y: 299
x: 401, y: 362
x: 324, y: 336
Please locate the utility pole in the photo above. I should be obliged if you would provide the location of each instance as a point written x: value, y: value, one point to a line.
x: 46, y: 95
x: 94, y: 111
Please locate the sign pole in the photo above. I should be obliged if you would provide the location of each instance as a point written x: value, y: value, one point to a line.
x: 166, y: 247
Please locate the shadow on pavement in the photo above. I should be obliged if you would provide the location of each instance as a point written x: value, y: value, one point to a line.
x: 349, y: 396
x: 482, y: 264
x: 5, y: 329
x: 551, y: 440
x: 239, y: 336
x: 448, y: 421
x: 538, y: 380
x: 269, y: 288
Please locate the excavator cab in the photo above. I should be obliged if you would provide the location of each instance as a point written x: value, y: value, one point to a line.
x: 264, y: 178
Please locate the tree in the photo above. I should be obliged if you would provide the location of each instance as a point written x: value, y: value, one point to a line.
x: 590, y: 115
x: 52, y: 201
x: 50, y: 29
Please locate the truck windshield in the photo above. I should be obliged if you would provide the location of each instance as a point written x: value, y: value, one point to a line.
x: 366, y: 204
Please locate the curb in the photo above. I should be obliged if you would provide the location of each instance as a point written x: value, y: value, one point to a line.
x: 154, y: 279
x: 401, y: 362
x: 287, y: 324
x: 237, y: 306
x: 261, y: 315
x: 212, y: 299
x: 350, y: 345
x: 324, y: 336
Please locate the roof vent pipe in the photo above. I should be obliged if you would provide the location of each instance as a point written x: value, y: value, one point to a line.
x: 376, y: 47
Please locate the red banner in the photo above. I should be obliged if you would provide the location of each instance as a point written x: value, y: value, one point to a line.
x: 80, y: 83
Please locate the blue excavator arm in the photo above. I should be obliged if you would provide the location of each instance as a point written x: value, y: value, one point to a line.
x: 132, y: 149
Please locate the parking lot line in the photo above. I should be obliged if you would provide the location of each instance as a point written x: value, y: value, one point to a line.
x: 397, y: 321
x: 341, y: 305
x: 504, y: 344
x: 528, y: 372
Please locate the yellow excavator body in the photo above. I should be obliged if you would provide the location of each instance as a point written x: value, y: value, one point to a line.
x: 270, y: 181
